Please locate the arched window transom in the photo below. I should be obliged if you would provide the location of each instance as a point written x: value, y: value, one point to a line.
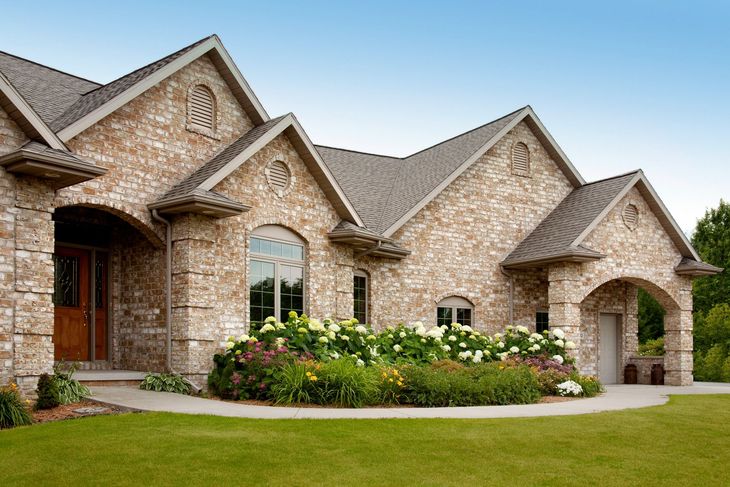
x: 454, y: 309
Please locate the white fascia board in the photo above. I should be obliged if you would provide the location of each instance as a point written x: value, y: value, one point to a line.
x: 326, y: 171
x: 245, y: 155
x: 30, y: 115
x: 125, y: 97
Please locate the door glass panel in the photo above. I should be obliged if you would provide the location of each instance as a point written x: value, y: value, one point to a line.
x: 99, y: 282
x: 463, y: 316
x: 66, y: 281
x: 360, y: 288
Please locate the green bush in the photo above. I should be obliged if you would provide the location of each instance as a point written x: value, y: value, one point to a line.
x: 652, y: 348
x: 165, y: 383
x: 591, y: 385
x: 482, y: 384
x: 48, y: 394
x: 339, y: 383
x: 69, y: 389
x: 549, y: 380
x: 13, y: 411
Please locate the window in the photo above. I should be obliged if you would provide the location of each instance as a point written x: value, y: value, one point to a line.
x: 360, y: 297
x: 201, y: 110
x: 276, y: 274
x: 541, y: 321
x: 520, y: 159
x: 454, y: 310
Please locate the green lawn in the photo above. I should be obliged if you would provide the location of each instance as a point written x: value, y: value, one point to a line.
x: 686, y: 442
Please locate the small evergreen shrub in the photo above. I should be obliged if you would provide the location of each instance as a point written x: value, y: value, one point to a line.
x: 13, y: 410
x: 591, y: 385
x: 165, y: 383
x: 652, y: 348
x: 48, y: 393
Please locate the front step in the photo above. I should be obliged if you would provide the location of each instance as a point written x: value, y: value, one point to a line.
x: 109, y: 377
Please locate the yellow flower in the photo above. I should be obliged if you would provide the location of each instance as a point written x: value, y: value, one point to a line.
x: 309, y: 374
x: 313, y: 378
x: 400, y: 384
x: 385, y: 374
x: 390, y: 380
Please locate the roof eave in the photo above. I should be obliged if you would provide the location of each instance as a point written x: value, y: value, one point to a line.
x: 569, y: 256
x: 195, y: 203
x: 59, y: 172
x: 697, y: 269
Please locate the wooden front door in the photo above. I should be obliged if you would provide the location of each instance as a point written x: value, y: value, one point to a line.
x: 80, y: 302
x: 71, y: 333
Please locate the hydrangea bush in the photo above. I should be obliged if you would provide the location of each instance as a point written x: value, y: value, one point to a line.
x: 415, y: 344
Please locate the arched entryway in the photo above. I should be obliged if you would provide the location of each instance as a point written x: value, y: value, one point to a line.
x: 108, y: 290
x: 609, y: 331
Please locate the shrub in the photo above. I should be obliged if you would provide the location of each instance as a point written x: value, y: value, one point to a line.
x: 48, y: 393
x: 247, y: 368
x: 13, y: 411
x: 652, y: 348
x: 591, y: 385
x: 483, y: 384
x: 69, y: 389
x: 165, y: 383
x: 549, y: 380
x: 390, y: 386
x: 339, y: 382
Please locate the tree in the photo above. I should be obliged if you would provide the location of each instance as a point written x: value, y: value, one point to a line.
x: 651, y: 317
x: 711, y: 239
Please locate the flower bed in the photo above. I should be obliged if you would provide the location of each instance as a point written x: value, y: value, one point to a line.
x: 349, y: 364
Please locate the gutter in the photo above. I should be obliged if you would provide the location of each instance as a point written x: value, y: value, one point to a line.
x: 168, y: 296
x: 370, y: 250
x: 511, y: 282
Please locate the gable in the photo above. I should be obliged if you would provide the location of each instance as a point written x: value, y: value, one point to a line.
x: 11, y: 135
x: 97, y: 104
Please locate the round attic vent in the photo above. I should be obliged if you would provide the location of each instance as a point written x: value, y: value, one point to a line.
x: 631, y: 216
x: 278, y: 176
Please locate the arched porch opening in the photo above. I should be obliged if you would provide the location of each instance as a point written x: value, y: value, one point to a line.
x: 108, y: 290
x: 610, y: 332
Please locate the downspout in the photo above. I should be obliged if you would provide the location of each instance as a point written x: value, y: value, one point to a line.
x: 511, y: 283
x: 370, y: 250
x: 168, y: 295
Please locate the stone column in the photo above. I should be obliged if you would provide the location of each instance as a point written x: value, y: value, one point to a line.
x: 630, y: 327
x: 344, y: 275
x: 194, y: 294
x: 564, y: 301
x: 7, y: 274
x: 33, y: 299
x: 678, y: 342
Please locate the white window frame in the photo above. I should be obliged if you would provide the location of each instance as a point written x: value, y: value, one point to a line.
x: 361, y: 273
x: 455, y: 303
x: 273, y: 233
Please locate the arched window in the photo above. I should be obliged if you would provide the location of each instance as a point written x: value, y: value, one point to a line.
x: 520, y: 159
x: 361, y: 296
x: 201, y: 109
x: 454, y: 310
x: 276, y: 274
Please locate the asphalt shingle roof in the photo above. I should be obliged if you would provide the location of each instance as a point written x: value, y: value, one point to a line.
x: 48, y: 91
x: 555, y: 234
x: 94, y: 99
x: 384, y: 188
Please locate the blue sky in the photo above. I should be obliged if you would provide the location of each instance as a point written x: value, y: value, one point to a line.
x: 622, y: 85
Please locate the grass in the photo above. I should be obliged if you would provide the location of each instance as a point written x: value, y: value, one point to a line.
x: 686, y: 442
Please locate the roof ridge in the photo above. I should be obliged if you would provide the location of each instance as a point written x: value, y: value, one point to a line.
x: 189, y: 46
x: 635, y: 171
x: 358, y: 152
x: 51, y: 68
x: 467, y: 132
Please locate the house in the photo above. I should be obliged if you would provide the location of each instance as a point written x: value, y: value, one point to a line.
x: 145, y: 220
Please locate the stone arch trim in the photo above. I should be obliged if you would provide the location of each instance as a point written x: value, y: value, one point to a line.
x: 140, y: 221
x: 659, y: 292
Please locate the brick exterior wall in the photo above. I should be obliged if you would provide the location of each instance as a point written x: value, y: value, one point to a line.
x: 459, y: 239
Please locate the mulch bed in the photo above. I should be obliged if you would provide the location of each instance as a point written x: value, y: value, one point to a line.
x: 254, y: 402
x: 68, y: 411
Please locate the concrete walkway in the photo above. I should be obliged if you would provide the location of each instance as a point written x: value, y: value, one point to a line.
x: 616, y: 397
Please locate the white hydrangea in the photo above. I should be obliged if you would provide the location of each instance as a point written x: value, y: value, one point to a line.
x: 514, y: 350
x: 558, y: 333
x: 361, y: 329
x: 360, y: 363
x: 452, y: 338
x: 397, y: 348
x: 335, y: 328
x: 536, y: 336
x: 462, y: 345
x: 315, y: 325
x: 500, y: 344
x: 467, y: 329
x: 456, y: 326
x: 267, y: 328
x: 243, y: 338
x: 445, y: 348
x: 435, y: 332
x: 465, y: 355
x: 402, y: 334
x: 345, y: 338
x: 270, y: 319
x: 559, y: 343
x: 323, y: 339
x: 331, y: 335
x: 230, y: 345
x: 280, y: 341
x: 335, y: 355
x: 477, y: 359
x: 569, y: 345
x: 523, y: 330
x: 558, y: 358
x: 569, y: 388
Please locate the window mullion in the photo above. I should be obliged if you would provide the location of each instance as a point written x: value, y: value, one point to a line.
x: 277, y: 291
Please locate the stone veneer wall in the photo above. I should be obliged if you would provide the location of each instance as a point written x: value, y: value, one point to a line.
x: 459, y: 239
